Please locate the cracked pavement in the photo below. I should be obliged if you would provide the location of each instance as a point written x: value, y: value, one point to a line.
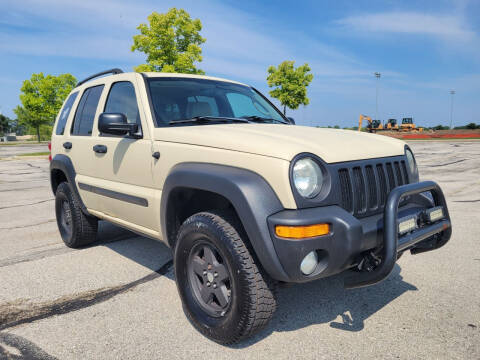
x: 117, y: 298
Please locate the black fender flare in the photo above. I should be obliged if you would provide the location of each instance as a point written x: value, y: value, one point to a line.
x: 249, y: 193
x: 64, y: 163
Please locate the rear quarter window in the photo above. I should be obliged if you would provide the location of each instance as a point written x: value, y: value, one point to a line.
x: 62, y: 119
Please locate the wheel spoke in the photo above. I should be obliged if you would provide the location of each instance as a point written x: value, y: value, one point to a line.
x: 209, y: 255
x: 221, y: 293
x: 199, y: 265
x: 221, y: 271
x: 206, y: 294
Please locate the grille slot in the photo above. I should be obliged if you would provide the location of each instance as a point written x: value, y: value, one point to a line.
x: 372, y: 191
x: 383, y: 186
x: 365, y: 185
x: 405, y: 173
x: 391, y: 178
x: 398, y: 173
x: 359, y: 191
x: 346, y: 190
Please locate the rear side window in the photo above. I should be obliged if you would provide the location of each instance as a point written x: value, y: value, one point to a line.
x: 62, y: 119
x: 122, y: 99
x: 85, y: 114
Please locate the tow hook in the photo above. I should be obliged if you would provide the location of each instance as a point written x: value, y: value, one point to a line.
x: 369, y: 262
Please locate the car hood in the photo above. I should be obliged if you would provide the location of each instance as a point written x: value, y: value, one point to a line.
x: 285, y: 141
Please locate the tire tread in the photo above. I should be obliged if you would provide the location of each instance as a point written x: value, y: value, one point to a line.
x: 84, y: 226
x: 260, y: 291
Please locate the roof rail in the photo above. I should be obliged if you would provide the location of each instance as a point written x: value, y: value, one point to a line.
x: 111, y: 71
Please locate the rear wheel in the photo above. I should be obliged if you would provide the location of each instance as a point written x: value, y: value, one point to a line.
x: 76, y: 228
x: 224, y: 293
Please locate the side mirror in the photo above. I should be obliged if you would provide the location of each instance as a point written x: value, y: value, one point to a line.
x: 116, y: 124
x: 291, y: 120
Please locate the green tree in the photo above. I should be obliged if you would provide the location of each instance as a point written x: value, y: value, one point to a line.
x: 441, y: 127
x: 4, y: 124
x: 16, y: 128
x: 290, y: 84
x: 171, y: 42
x: 42, y: 97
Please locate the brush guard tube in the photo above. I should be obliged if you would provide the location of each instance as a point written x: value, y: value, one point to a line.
x: 441, y: 231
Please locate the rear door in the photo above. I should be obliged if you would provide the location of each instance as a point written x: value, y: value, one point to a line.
x: 78, y: 142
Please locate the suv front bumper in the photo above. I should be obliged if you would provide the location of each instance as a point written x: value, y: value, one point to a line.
x: 350, y: 238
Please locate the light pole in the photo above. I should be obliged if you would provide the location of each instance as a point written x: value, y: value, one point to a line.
x: 377, y: 75
x: 452, y: 92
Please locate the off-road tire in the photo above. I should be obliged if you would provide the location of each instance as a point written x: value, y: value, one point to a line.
x: 81, y: 229
x: 252, y: 299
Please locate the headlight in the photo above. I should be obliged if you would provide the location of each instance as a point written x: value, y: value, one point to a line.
x: 412, y: 165
x: 307, y: 177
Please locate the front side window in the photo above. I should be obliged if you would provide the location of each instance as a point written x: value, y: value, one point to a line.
x: 122, y: 99
x: 62, y: 119
x: 186, y: 98
x: 85, y: 114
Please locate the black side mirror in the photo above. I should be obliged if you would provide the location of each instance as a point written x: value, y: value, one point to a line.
x: 116, y: 124
x: 291, y: 120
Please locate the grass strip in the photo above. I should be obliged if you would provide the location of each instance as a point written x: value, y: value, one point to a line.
x: 42, y: 153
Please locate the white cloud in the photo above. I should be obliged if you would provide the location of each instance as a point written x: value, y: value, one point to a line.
x: 445, y: 26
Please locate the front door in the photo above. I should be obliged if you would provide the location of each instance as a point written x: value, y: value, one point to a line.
x: 124, y: 182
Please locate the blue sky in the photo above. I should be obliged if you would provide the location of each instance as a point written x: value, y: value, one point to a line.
x: 422, y: 49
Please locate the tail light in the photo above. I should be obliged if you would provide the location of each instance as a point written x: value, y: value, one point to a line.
x: 50, y: 150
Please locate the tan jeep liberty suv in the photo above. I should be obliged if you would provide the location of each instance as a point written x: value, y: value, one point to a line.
x: 244, y: 197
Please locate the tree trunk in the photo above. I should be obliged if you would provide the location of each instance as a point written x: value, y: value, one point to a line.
x: 284, y: 109
x: 38, y: 133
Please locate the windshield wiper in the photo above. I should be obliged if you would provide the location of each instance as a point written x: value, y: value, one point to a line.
x: 207, y: 119
x: 262, y: 119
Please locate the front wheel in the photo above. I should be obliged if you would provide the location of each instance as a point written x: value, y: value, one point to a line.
x: 224, y: 293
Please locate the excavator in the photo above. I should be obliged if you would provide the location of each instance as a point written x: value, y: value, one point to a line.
x: 373, y: 125
x: 409, y: 125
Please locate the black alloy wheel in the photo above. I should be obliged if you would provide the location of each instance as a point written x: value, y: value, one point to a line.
x: 209, y: 279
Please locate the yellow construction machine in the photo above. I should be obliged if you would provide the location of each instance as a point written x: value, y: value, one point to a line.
x: 409, y: 125
x: 391, y: 125
x: 373, y: 125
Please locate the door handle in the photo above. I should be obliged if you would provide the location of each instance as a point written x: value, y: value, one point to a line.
x: 156, y: 155
x: 101, y: 149
x: 67, y: 145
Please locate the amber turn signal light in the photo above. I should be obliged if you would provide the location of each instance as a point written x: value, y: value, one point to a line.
x: 301, y: 232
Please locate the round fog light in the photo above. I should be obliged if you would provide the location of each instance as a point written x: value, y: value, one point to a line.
x: 309, y: 263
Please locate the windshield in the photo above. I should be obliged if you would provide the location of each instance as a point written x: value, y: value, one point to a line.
x: 186, y: 98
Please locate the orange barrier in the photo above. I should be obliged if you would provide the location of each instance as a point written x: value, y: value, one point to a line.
x: 442, y: 136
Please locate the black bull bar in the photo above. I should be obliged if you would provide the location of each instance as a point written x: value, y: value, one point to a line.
x: 392, y: 244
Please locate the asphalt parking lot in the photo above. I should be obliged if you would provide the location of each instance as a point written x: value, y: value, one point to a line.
x: 117, y: 298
